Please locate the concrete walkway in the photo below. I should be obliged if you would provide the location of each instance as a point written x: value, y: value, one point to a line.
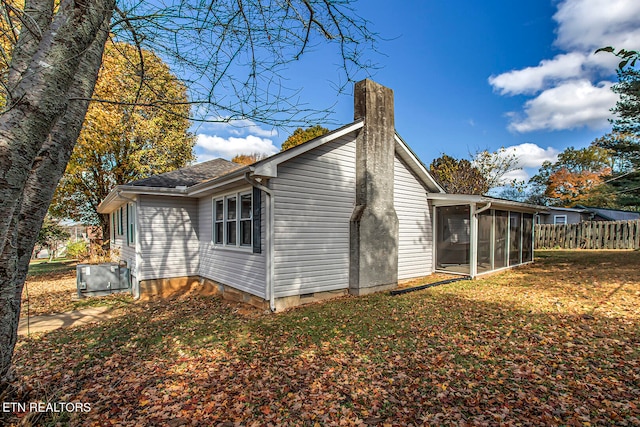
x: 49, y: 322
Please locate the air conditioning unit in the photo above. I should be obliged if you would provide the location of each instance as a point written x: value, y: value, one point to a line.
x: 102, y: 279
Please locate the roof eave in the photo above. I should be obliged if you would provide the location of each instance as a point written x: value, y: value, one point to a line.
x: 119, y: 194
x: 451, y: 199
x: 269, y: 167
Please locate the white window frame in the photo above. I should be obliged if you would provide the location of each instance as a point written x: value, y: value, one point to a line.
x: 557, y: 217
x: 114, y: 229
x: 215, y: 221
x: 131, y: 224
x: 226, y: 220
x: 119, y: 224
x: 240, y: 220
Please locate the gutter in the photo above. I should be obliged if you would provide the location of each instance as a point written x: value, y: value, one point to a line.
x: 269, y: 239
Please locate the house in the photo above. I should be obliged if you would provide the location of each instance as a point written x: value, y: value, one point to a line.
x: 557, y: 215
x: 353, y: 211
x: 582, y: 213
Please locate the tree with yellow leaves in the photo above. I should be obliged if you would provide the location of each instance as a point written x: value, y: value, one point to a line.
x: 128, y: 140
x: 300, y: 136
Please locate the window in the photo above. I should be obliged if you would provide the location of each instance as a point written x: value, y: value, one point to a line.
x: 559, y: 219
x: 232, y: 214
x: 131, y: 224
x: 119, y: 224
x: 113, y: 226
x: 233, y: 218
x: 515, y: 238
x: 527, y: 237
x: 246, y: 211
x: 218, y: 221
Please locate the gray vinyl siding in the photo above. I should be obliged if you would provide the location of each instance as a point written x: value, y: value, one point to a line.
x: 415, y: 226
x: 121, y: 249
x: 239, y: 268
x: 572, y: 217
x: 168, y: 237
x: 314, y: 200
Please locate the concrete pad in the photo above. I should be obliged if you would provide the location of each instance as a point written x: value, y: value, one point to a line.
x: 50, y: 322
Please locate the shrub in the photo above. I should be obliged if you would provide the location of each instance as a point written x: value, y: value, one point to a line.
x: 78, y: 250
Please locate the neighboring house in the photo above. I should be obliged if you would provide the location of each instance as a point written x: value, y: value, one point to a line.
x: 606, y: 214
x: 351, y: 211
x: 563, y: 216
x: 584, y: 213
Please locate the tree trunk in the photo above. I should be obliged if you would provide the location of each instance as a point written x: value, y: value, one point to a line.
x: 105, y: 224
x: 75, y: 38
x: 40, y: 95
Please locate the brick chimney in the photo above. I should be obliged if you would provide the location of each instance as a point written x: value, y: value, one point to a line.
x: 374, y: 224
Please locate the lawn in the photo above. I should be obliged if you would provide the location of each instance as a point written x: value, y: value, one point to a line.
x: 553, y: 343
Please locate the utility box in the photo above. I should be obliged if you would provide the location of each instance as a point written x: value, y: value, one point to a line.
x: 102, y: 279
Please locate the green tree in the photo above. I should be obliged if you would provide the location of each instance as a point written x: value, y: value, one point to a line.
x: 577, y: 176
x: 624, y: 142
x: 122, y: 142
x: 231, y: 55
x: 300, y: 136
x: 458, y: 176
x: 627, y: 109
x: 51, y: 235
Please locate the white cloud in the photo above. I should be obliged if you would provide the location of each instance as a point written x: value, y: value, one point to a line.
x: 532, y: 155
x: 529, y: 159
x: 533, y: 79
x: 518, y: 175
x: 217, y: 146
x: 567, y: 94
x: 586, y: 25
x: 570, y: 105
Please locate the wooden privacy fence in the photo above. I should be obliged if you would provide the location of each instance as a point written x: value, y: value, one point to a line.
x: 589, y: 235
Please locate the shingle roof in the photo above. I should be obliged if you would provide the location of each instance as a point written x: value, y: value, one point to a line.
x: 189, y: 175
x: 613, y: 214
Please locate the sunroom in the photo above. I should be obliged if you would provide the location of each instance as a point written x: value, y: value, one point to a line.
x: 475, y: 235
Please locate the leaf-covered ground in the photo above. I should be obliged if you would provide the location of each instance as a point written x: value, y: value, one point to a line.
x: 554, y: 343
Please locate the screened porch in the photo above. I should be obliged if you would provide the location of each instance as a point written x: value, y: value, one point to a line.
x: 475, y: 235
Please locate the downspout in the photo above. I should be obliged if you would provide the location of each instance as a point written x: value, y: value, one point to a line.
x: 484, y: 208
x: 269, y: 239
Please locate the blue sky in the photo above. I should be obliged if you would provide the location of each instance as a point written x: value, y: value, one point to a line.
x: 472, y: 75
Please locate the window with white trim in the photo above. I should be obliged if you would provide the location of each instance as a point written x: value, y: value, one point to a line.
x: 559, y: 219
x: 114, y: 230
x: 246, y: 219
x: 218, y: 221
x: 233, y: 220
x: 120, y: 228
x: 131, y: 224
